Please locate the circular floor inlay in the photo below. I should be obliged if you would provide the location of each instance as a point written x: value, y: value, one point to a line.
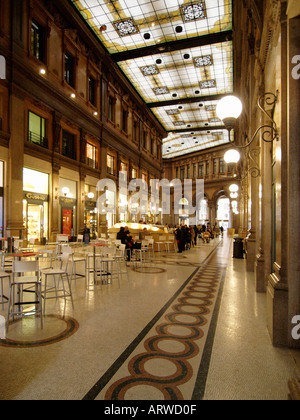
x: 160, y: 367
x: 138, y: 392
x: 149, y: 270
x: 56, y: 328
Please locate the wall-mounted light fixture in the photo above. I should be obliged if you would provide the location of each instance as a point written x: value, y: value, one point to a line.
x: 65, y: 191
x: 229, y: 110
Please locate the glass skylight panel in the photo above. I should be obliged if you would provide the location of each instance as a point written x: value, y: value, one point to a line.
x: 159, y: 20
x: 180, y: 144
x: 183, y: 77
x: 124, y: 25
x: 197, y: 115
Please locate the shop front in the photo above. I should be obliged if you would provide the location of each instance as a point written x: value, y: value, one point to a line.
x: 35, y: 205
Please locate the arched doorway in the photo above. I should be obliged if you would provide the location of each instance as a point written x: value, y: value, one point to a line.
x: 223, y: 212
x: 203, y: 216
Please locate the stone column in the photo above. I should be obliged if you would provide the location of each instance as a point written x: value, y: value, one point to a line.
x: 263, y: 257
x: 81, y: 202
x: 255, y: 121
x: 14, y: 203
x: 277, y: 286
x: 102, y: 227
x: 293, y: 177
x: 54, y: 208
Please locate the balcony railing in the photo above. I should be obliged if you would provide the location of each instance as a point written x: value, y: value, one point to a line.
x: 91, y: 163
x: 37, y: 139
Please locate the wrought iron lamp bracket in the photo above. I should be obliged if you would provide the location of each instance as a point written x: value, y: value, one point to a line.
x: 270, y: 132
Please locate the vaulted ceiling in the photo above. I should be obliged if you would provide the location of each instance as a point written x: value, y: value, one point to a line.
x: 178, y: 56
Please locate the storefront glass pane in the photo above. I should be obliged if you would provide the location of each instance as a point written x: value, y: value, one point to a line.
x: 35, y: 181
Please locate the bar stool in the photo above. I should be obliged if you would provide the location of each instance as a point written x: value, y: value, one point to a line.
x: 151, y: 246
x: 108, y: 263
x: 61, y: 272
x: 25, y: 284
x: 91, y: 259
x: 2, y: 328
x: 137, y: 255
x: 4, y: 299
x: 121, y: 259
x: 74, y: 260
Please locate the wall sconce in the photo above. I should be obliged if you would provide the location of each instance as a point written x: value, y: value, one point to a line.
x: 233, y: 188
x: 65, y: 191
x: 230, y: 108
x: 232, y: 156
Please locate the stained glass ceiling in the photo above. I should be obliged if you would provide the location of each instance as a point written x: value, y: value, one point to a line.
x: 178, y: 56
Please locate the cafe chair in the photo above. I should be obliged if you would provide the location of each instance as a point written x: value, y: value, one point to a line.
x: 25, y: 282
x: 162, y: 242
x: 57, y: 289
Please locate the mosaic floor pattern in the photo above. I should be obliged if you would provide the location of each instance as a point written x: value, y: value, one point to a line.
x: 165, y: 361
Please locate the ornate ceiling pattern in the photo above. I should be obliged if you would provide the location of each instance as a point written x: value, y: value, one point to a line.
x: 178, y: 56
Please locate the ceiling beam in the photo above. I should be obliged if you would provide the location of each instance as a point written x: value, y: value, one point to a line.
x: 199, y: 129
x: 168, y: 47
x: 183, y: 101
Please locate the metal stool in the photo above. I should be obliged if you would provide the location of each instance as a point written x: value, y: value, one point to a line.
x: 54, y: 289
x: 22, y: 284
x: 4, y: 299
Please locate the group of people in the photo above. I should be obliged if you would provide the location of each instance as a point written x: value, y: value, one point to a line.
x: 186, y: 237
x: 125, y: 237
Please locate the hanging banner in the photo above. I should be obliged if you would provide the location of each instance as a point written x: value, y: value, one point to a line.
x: 67, y: 221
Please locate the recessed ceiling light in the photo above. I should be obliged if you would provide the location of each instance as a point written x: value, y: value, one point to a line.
x: 73, y: 95
x: 42, y: 71
x: 179, y: 29
x: 147, y: 36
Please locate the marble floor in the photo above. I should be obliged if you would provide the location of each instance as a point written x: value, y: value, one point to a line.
x: 182, y: 327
